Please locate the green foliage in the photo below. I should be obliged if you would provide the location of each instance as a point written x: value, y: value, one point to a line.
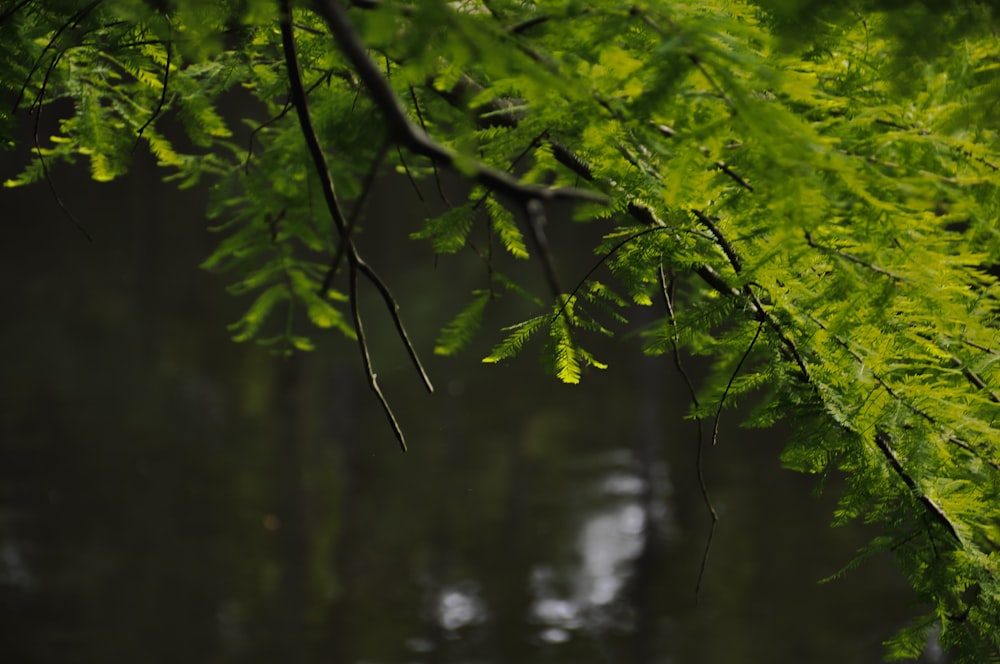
x: 813, y: 193
x: 517, y: 336
x: 457, y: 334
x: 449, y: 232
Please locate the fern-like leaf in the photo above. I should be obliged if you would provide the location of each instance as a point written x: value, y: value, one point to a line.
x: 457, y: 334
x: 519, y: 334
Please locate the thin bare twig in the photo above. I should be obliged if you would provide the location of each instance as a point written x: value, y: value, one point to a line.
x: 73, y: 21
x: 409, y: 174
x: 282, y: 113
x: 434, y: 166
x: 725, y: 393
x: 366, y: 187
x: 393, y: 307
x: 399, y: 149
x: 41, y: 157
x: 355, y: 263
x: 667, y: 289
x: 366, y: 360
x: 602, y: 260
x: 263, y: 125
x: 163, y: 94
x: 536, y: 231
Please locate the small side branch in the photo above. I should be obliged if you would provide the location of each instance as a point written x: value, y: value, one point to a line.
x: 528, y: 24
x: 434, y: 166
x: 852, y: 259
x: 733, y: 175
x: 790, y: 347
x: 715, y: 280
x: 882, y: 441
x: 975, y: 379
x: 536, y: 231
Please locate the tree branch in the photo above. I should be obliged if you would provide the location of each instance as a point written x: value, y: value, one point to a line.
x: 416, y: 139
x: 720, y: 239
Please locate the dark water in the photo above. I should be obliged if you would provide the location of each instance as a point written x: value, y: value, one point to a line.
x: 169, y: 496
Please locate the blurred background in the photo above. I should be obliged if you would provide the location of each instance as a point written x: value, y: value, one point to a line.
x: 167, y: 495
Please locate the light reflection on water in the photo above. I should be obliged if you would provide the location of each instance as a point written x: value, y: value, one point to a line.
x: 14, y: 571
x: 459, y: 607
x: 608, y: 541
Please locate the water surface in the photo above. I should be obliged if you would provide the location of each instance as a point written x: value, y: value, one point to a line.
x: 167, y: 495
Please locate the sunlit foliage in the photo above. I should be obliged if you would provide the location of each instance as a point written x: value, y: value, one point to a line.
x: 807, y: 193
